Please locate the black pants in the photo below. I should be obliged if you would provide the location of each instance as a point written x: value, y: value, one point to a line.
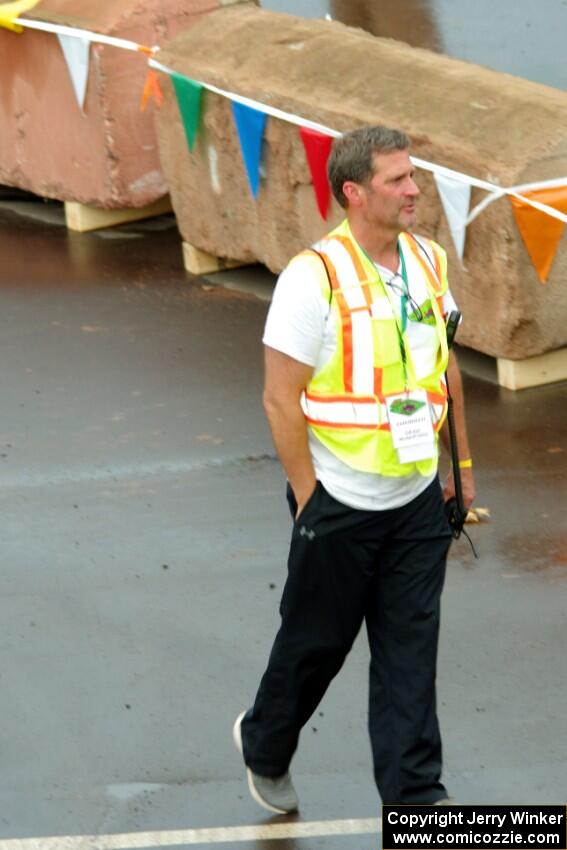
x: 348, y: 566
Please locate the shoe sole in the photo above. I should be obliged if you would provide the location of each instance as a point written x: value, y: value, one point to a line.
x: 237, y: 738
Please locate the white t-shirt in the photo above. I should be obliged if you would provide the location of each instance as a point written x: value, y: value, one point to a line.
x: 301, y: 324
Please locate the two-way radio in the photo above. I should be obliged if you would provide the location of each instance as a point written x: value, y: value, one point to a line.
x: 455, y: 510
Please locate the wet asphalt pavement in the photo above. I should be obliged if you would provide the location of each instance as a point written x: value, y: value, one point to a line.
x: 144, y: 545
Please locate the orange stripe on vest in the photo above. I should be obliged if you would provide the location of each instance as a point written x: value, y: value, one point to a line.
x: 359, y: 268
x: 346, y: 324
x: 437, y: 398
x: 366, y: 291
x: 433, y: 280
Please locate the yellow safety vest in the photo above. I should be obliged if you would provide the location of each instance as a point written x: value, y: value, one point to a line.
x: 345, y: 401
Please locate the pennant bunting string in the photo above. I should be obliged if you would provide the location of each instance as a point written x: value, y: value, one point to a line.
x: 515, y: 191
x: 250, y: 125
x: 419, y: 163
x: 542, y: 184
x: 9, y: 11
x: 317, y: 150
x: 539, y: 206
x: 255, y: 104
x: 76, y: 32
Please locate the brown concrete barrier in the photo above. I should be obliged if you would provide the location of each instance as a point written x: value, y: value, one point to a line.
x: 108, y: 156
x: 489, y: 125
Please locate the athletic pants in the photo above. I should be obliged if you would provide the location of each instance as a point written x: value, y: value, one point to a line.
x: 347, y: 566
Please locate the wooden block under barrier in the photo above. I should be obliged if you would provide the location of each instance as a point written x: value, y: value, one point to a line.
x: 82, y: 218
x: 198, y: 262
x: 534, y: 371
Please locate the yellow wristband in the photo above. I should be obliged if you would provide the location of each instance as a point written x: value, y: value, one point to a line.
x: 466, y: 463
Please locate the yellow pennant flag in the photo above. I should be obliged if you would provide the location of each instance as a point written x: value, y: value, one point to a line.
x: 10, y: 11
x: 540, y: 232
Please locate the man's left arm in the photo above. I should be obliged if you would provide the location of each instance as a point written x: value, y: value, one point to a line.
x: 467, y: 477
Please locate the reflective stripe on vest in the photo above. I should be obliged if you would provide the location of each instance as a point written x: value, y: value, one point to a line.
x: 354, y: 302
x: 357, y: 412
x: 344, y: 411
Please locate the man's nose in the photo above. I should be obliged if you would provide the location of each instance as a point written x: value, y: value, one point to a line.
x: 412, y: 188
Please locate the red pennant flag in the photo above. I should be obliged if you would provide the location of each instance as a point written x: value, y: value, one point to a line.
x: 317, y: 149
x: 151, y: 88
x: 541, y: 233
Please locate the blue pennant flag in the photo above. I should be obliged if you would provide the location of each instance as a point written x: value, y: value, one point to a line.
x: 250, y: 124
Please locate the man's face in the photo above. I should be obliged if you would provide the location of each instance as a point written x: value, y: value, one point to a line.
x: 389, y: 198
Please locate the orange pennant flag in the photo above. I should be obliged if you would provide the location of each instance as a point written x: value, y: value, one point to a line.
x: 151, y: 88
x: 540, y: 232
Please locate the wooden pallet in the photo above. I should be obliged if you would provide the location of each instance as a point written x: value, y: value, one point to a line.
x: 82, y: 218
x: 534, y: 371
x: 198, y: 262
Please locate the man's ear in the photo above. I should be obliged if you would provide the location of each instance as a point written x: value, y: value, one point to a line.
x: 352, y: 192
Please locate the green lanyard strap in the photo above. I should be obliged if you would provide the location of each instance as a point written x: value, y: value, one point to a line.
x: 405, y: 296
x: 403, y: 305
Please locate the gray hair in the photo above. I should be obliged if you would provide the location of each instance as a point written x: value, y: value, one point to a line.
x: 352, y: 154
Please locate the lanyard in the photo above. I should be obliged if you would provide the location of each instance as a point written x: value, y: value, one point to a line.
x: 405, y: 296
x: 403, y: 305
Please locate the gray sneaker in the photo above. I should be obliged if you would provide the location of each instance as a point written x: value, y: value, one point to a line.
x: 276, y: 795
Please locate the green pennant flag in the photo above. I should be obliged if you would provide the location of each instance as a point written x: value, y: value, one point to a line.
x: 189, y: 95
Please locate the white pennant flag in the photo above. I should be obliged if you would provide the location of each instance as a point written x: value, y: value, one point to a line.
x: 456, y: 199
x: 76, y: 52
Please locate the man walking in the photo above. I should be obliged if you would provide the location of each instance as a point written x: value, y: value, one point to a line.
x: 355, y: 394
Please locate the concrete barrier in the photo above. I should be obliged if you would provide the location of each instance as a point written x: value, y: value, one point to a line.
x: 108, y: 156
x: 489, y: 125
